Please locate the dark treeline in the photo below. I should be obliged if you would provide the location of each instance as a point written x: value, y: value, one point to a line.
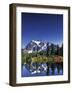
x: 54, y: 50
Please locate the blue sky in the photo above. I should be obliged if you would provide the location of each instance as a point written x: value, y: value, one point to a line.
x: 47, y: 27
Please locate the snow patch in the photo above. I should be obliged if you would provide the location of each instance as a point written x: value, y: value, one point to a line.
x: 37, y: 42
x: 44, y: 47
x: 30, y: 51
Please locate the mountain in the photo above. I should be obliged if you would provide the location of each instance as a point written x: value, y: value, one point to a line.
x: 36, y: 46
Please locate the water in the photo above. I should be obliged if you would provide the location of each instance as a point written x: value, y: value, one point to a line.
x: 26, y: 72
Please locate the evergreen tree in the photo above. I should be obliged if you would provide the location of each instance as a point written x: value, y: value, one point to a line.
x: 48, y: 50
x: 58, y: 50
x: 61, y: 50
x: 52, y: 49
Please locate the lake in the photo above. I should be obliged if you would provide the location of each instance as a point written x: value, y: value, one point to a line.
x: 42, y: 71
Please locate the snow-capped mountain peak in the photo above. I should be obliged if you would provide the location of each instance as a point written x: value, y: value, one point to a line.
x: 36, y: 41
x: 38, y: 46
x: 35, y: 46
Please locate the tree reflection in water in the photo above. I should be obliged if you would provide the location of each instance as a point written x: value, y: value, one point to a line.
x: 43, y: 69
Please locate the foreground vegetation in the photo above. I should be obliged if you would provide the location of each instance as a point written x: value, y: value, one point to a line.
x: 33, y: 57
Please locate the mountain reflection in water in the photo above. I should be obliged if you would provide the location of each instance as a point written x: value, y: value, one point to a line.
x: 41, y: 71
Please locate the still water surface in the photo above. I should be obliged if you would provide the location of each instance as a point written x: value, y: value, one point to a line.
x: 26, y: 72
